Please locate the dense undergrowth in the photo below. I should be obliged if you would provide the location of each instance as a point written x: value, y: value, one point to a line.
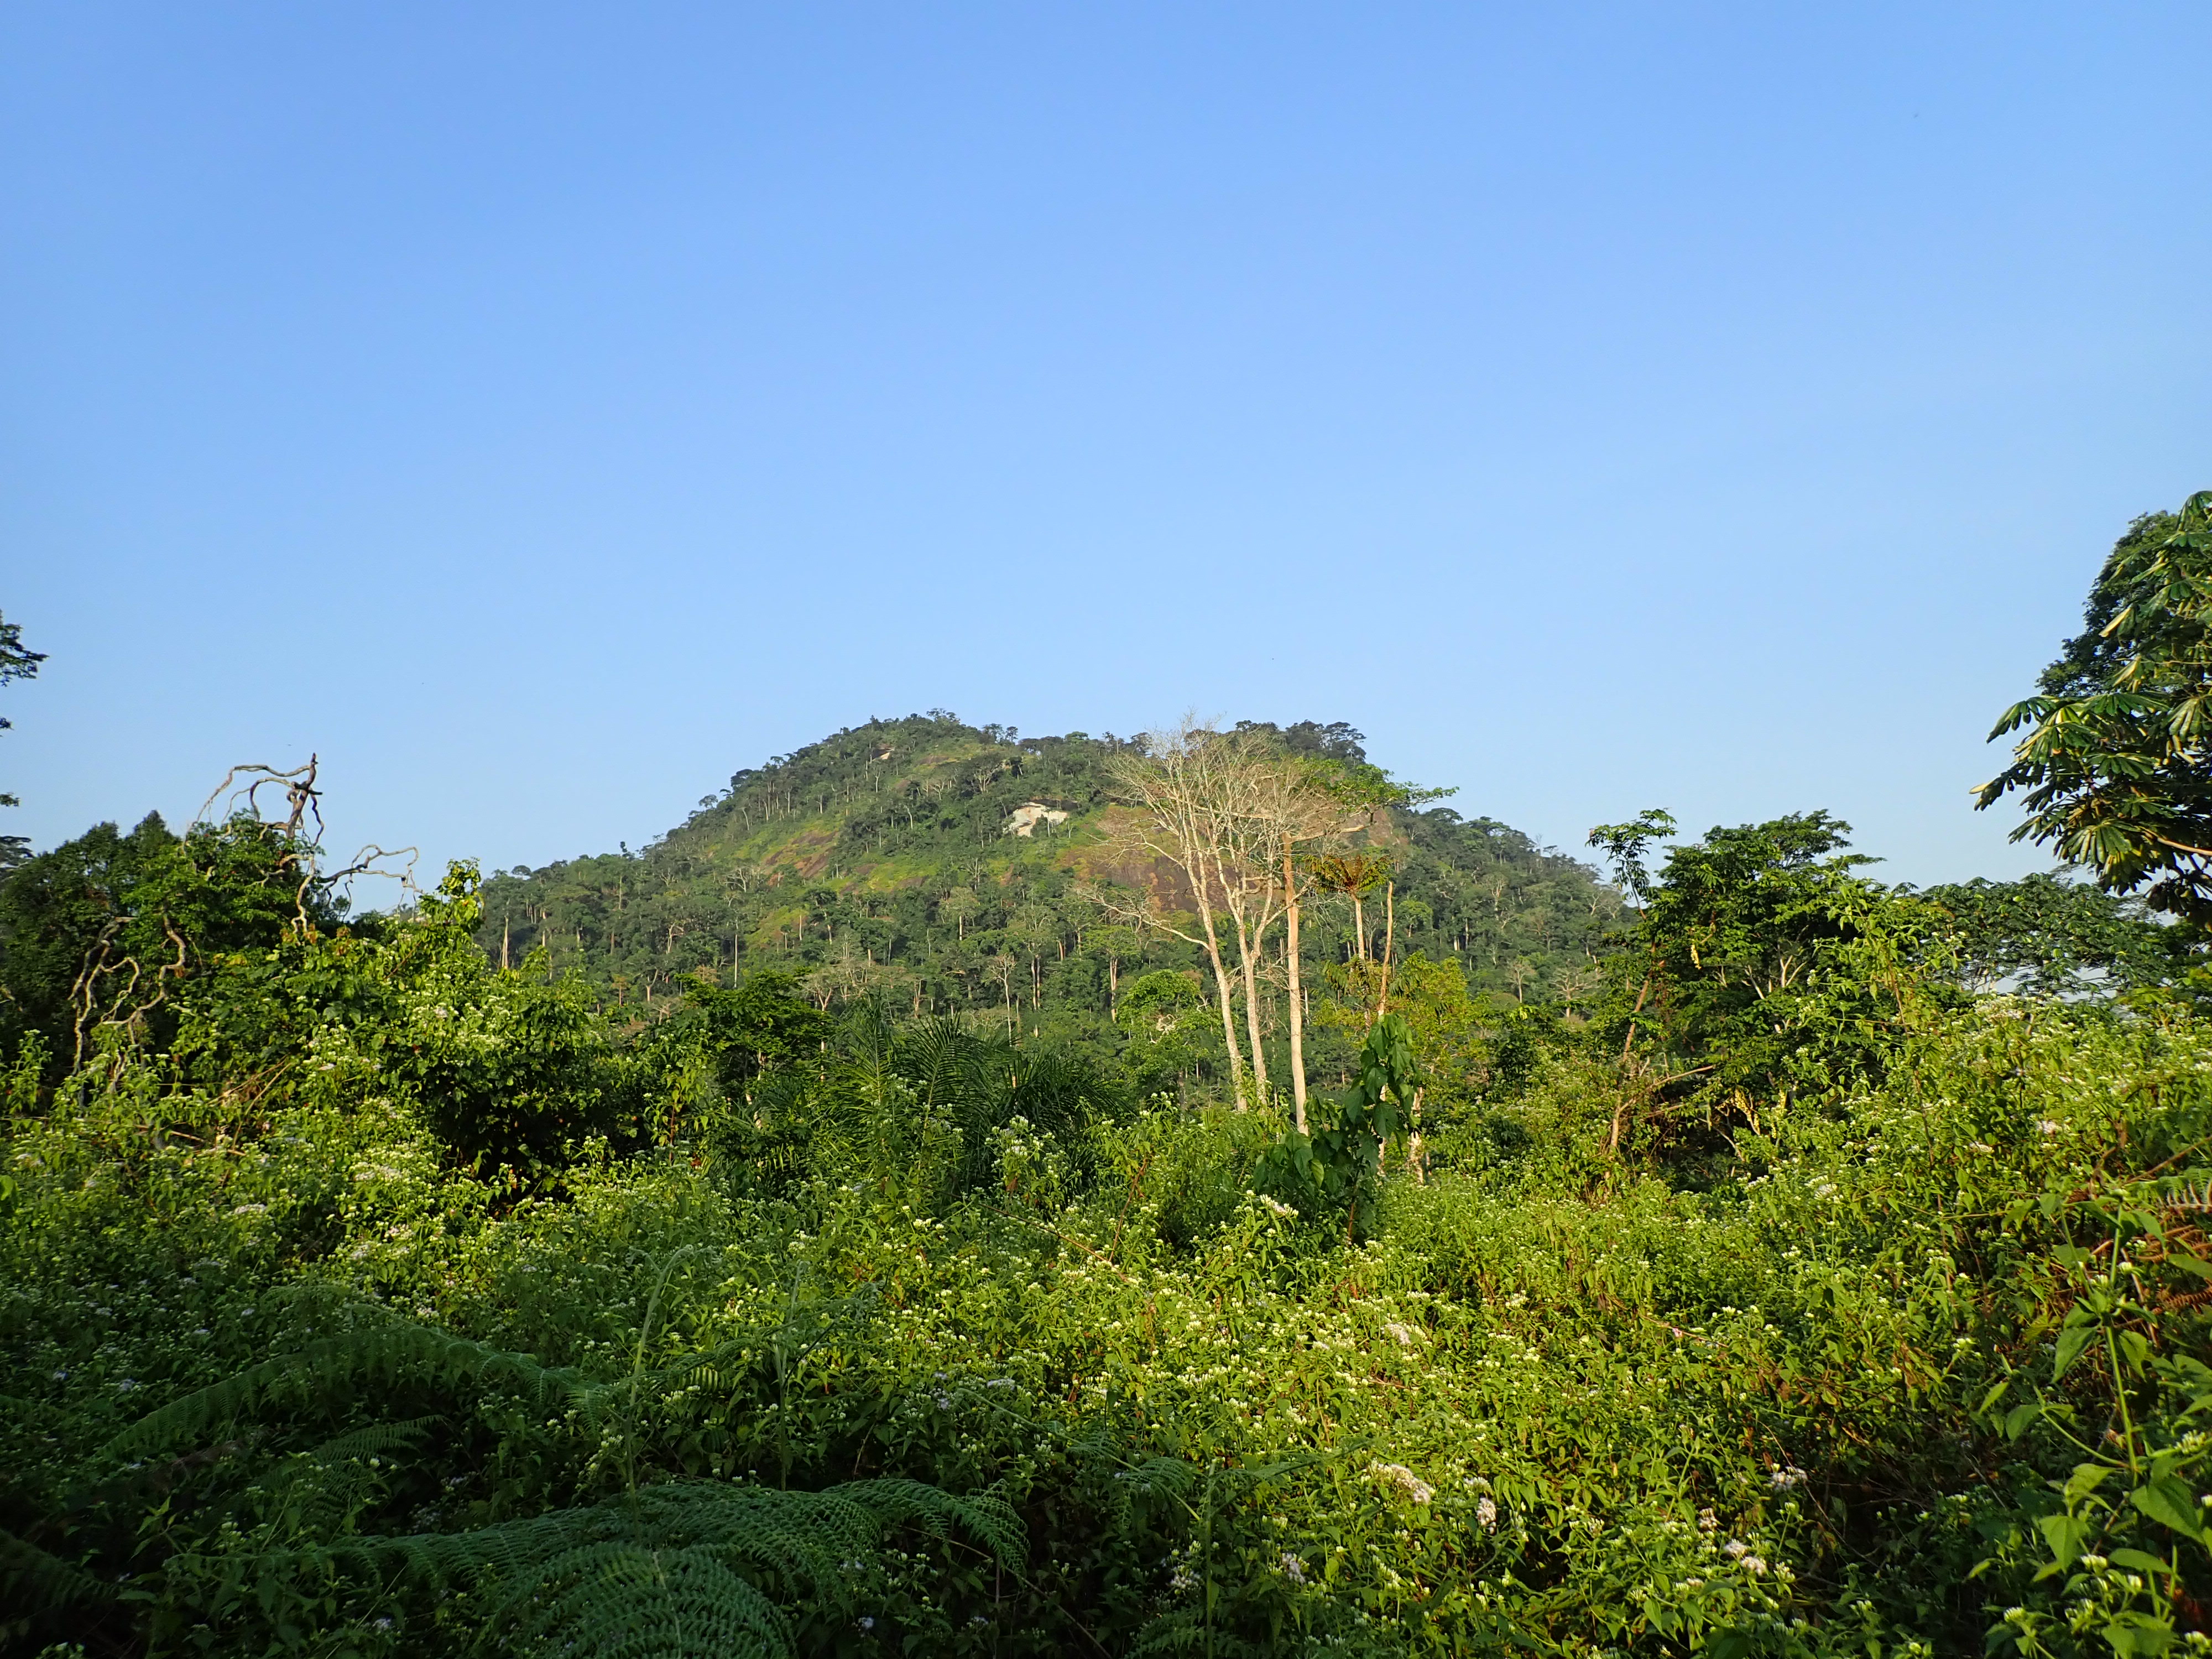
x: 393, y: 1303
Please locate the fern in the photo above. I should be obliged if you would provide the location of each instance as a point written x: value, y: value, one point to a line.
x: 376, y: 1440
x: 383, y: 1352
x: 392, y: 1350
x: 668, y: 1570
x: 1182, y: 1629
x: 626, y: 1601
x: 812, y: 1537
x: 665, y: 1571
x: 34, y: 1582
x: 724, y: 1369
x: 324, y: 1489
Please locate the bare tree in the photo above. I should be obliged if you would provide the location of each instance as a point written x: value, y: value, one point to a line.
x: 1246, y: 837
x: 1116, y: 943
x: 1173, y: 780
x: 1229, y: 811
x: 1577, y: 985
x: 1036, y: 928
x: 1293, y: 807
x: 1002, y: 965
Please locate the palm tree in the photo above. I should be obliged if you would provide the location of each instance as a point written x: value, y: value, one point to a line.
x: 1355, y: 875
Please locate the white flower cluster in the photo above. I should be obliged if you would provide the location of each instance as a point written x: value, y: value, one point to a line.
x: 1739, y: 1552
x: 1398, y: 1475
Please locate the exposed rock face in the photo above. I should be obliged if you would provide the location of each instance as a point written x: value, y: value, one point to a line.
x: 1024, y: 820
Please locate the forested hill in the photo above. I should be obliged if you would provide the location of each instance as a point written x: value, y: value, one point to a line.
x: 890, y: 859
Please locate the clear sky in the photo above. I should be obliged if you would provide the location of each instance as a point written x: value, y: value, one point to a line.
x: 543, y: 411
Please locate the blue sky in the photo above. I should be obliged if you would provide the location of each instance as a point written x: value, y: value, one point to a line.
x: 542, y: 411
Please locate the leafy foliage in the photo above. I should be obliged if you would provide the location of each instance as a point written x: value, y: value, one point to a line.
x: 2115, y: 770
x: 671, y: 1572
x: 2059, y: 937
x: 1773, y: 1291
x: 17, y: 662
x: 100, y: 934
x: 1762, y: 966
x: 1339, y: 1166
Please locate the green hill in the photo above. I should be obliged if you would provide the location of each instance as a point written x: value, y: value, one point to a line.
x: 895, y: 859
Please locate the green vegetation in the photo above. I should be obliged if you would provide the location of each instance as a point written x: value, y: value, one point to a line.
x: 2115, y: 766
x: 17, y: 662
x: 885, y: 862
x: 1786, y: 1264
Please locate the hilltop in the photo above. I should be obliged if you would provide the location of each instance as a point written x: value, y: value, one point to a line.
x: 934, y: 863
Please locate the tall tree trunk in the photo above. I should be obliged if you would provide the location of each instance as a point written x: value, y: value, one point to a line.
x: 1248, y: 952
x: 1298, y: 995
x: 1247, y: 947
x: 1389, y: 937
x: 1228, y: 998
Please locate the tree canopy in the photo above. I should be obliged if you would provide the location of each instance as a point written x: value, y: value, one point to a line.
x: 2115, y: 771
x: 17, y: 662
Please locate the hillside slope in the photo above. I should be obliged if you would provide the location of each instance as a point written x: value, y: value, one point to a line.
x: 934, y: 863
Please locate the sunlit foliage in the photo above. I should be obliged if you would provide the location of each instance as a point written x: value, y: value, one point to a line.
x: 378, y: 1300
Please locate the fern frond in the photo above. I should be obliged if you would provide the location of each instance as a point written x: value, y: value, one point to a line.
x: 627, y: 1601
x: 325, y: 1488
x: 385, y: 1352
x: 1179, y: 1631
x: 1172, y: 1475
x: 509, y: 1552
x: 34, y: 1581
x: 725, y: 1369
x: 24, y: 1411
x: 720, y: 1370
x: 812, y: 1538
x: 662, y: 1562
x: 374, y: 1441
x: 987, y: 1517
